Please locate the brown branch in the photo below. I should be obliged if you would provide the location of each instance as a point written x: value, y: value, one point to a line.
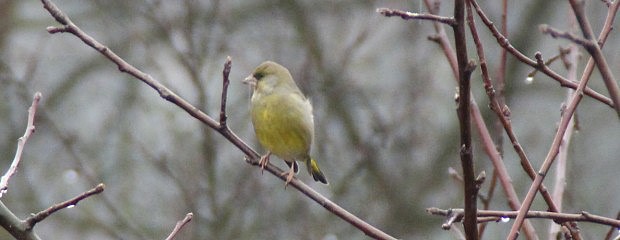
x: 567, y: 114
x: 571, y: 60
x: 513, y: 199
x: 252, y: 156
x: 463, y: 110
x: 15, y: 226
x: 504, y: 43
x: 491, y: 215
x: 181, y: 223
x: 225, y: 83
x: 612, y: 230
x: 483, y: 132
x: 595, y: 50
x: 555, y: 33
x: 40, y: 216
x: 441, y: 38
x: 553, y: 151
x: 21, y: 142
x: 388, y: 12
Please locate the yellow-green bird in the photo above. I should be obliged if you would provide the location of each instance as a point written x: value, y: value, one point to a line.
x: 282, y: 119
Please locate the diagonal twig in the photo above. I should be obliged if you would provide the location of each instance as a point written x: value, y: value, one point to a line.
x: 21, y: 142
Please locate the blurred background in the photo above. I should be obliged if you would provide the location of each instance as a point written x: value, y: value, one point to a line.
x: 383, y: 97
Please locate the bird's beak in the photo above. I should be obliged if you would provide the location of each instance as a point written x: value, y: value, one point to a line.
x: 250, y: 80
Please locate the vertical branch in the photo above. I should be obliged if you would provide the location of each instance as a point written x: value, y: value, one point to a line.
x: 464, y: 99
x: 500, y: 80
x: 560, y: 173
x: 500, y: 170
x: 225, y: 83
x: 441, y: 37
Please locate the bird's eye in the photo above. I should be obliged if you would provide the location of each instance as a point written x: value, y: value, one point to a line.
x: 259, y: 75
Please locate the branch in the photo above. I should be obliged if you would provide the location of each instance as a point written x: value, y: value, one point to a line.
x: 483, y: 132
x: 24, y: 229
x: 15, y: 226
x: 595, y: 50
x: 503, y: 116
x: 21, y: 142
x: 555, y: 33
x: 504, y: 43
x: 463, y: 109
x: 180, y: 224
x: 388, y: 12
x: 563, y: 125
x: 225, y: 83
x: 252, y: 156
x: 441, y: 38
x: 571, y: 60
x: 496, y: 216
x: 40, y: 216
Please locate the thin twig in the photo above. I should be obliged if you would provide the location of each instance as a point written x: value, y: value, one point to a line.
x: 180, y: 224
x: 388, y: 12
x: 441, y: 38
x: 40, y: 216
x: 492, y: 215
x: 167, y: 94
x: 225, y: 83
x: 21, y: 142
x: 555, y: 33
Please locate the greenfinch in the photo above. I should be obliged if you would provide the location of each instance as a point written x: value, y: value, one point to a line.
x: 282, y: 119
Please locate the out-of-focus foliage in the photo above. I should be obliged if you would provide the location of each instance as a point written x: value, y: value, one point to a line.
x: 382, y: 93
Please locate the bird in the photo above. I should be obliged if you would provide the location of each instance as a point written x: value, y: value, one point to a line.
x: 282, y: 119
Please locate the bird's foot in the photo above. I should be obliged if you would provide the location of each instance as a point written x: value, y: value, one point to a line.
x: 290, y: 174
x: 264, y: 160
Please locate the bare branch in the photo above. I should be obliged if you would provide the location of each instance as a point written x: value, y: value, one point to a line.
x: 421, y: 16
x: 180, y: 224
x: 595, y: 50
x: 21, y: 142
x: 15, y: 226
x: 496, y: 216
x: 464, y: 116
x: 225, y: 83
x: 40, y: 216
x: 500, y: 168
x: 555, y: 33
x: 503, y: 42
x: 567, y: 115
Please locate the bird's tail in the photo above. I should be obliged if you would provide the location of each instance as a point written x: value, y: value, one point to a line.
x: 315, y: 171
